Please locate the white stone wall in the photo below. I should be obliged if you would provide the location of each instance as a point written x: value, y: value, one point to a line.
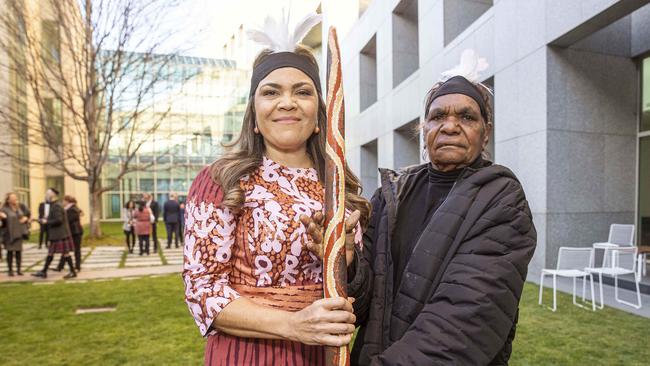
x: 550, y: 60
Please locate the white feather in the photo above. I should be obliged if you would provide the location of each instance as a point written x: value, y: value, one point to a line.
x: 277, y: 36
x: 304, y: 26
x: 470, y: 67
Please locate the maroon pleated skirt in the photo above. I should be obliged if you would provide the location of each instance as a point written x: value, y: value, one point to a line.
x: 225, y: 350
x: 61, y: 246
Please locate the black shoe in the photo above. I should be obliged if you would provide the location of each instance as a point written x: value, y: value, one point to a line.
x: 57, y: 269
x: 168, y: 247
x: 19, y: 273
x: 176, y: 246
x: 40, y: 274
x: 70, y: 275
x: 11, y: 273
x: 141, y: 253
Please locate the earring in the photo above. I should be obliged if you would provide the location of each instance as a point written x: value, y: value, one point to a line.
x: 317, y: 130
x: 256, y: 130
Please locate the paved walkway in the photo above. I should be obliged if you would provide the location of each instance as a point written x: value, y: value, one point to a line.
x: 102, y: 262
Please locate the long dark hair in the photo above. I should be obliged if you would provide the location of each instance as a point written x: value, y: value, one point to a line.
x: 128, y: 204
x: 247, y: 151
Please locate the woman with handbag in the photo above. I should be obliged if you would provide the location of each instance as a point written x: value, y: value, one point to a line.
x: 143, y: 218
x: 127, y: 227
x: 15, y: 221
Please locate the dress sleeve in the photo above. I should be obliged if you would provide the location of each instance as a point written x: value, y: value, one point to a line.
x: 209, y: 235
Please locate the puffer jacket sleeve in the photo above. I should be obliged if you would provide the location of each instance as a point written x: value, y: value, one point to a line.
x: 207, y: 266
x: 472, y: 313
x: 360, y: 275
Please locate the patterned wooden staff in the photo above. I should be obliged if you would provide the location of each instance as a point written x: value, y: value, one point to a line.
x: 335, y: 273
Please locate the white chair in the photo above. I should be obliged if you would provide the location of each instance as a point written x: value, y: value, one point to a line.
x: 571, y: 262
x: 619, y: 236
x: 623, y: 262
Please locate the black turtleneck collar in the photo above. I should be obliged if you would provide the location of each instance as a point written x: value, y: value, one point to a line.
x: 437, y: 176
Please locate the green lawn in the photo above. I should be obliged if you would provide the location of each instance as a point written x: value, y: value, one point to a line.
x: 153, y: 327
x: 113, y: 235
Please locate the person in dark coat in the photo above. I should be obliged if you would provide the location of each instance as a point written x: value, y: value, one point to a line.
x: 14, y: 225
x: 58, y: 234
x: 43, y: 211
x: 76, y: 230
x: 181, y: 221
x: 445, y: 255
x: 171, y: 217
x: 154, y: 207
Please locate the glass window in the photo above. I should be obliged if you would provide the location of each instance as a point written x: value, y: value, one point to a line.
x: 53, y: 118
x: 645, y: 96
x: 56, y: 183
x: 163, y: 184
x: 146, y: 185
x: 112, y: 206
x: 51, y: 41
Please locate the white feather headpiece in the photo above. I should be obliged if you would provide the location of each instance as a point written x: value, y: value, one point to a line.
x: 276, y: 35
x: 470, y: 67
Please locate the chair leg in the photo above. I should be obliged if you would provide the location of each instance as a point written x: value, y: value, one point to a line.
x: 584, y: 287
x: 616, y: 288
x: 638, y: 294
x: 600, y: 285
x: 541, y: 287
x: 593, y: 298
x: 555, y: 293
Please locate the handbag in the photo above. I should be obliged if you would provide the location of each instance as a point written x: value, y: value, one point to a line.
x: 26, y: 231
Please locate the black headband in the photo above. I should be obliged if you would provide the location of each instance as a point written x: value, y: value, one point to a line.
x: 460, y: 85
x: 284, y: 59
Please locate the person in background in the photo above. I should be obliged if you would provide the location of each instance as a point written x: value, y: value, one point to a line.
x: 154, y: 208
x: 181, y: 222
x: 43, y: 211
x: 14, y: 224
x: 142, y: 218
x: 171, y: 216
x: 74, y: 223
x: 129, y: 221
x: 58, y: 233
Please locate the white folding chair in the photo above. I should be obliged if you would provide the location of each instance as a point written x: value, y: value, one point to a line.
x: 619, y: 236
x: 623, y: 261
x: 571, y: 262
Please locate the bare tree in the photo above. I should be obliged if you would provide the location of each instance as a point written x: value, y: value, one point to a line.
x: 84, y: 74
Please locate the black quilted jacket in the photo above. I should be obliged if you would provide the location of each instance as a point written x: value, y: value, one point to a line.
x: 459, y: 297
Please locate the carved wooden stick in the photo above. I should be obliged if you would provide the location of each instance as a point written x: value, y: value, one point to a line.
x: 335, y: 269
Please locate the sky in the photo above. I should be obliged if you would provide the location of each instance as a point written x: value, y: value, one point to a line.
x: 204, y: 26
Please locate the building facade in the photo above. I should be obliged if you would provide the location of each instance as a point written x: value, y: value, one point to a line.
x: 572, y: 102
x: 200, y: 105
x: 20, y: 107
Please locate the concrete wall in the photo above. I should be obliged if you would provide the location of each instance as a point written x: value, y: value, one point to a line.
x: 405, y: 40
x: 565, y: 102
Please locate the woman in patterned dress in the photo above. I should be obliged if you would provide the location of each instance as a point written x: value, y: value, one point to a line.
x: 251, y: 284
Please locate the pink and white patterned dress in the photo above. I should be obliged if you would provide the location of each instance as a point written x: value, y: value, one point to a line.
x: 258, y: 253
